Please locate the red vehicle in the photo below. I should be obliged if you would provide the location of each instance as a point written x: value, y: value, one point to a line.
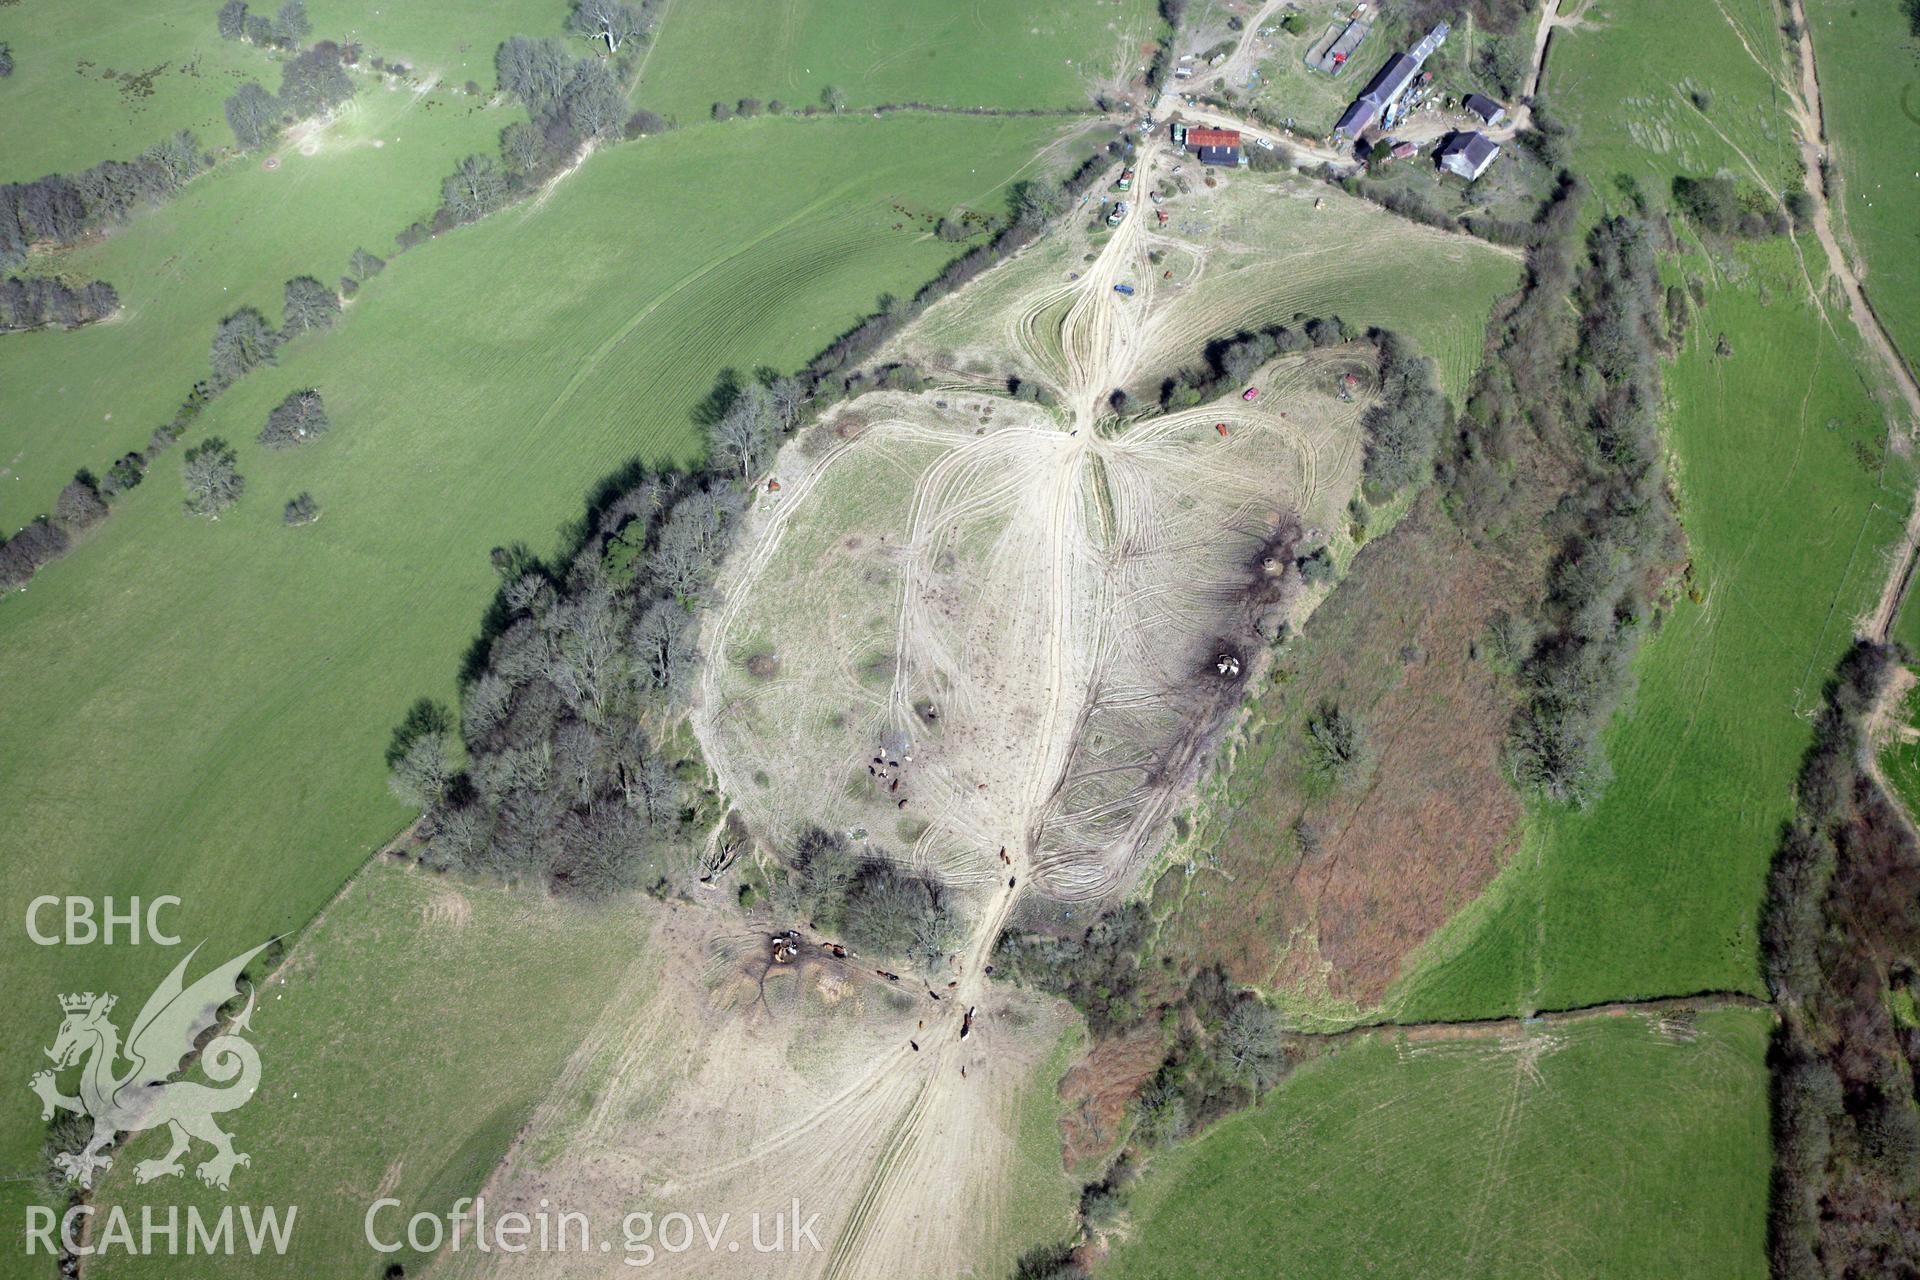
x: 1251, y: 393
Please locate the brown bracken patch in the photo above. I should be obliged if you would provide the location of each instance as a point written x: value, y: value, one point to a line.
x: 1333, y: 886
x: 1096, y: 1091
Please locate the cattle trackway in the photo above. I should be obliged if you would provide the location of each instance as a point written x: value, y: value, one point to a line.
x: 1098, y: 339
x: 897, y: 1206
x: 1093, y: 559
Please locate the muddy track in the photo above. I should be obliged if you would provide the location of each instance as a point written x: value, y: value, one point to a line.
x: 1504, y: 1028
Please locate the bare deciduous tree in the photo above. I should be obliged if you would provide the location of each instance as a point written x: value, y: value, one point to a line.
x: 609, y: 22
x: 1250, y: 1045
x: 212, y: 481
x: 308, y: 305
x: 254, y: 115
x: 475, y: 189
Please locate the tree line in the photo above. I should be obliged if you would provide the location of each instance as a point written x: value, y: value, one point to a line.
x: 312, y: 83
x: 554, y: 772
x: 571, y: 102
x: 1223, y: 1045
x: 1501, y: 449
x: 865, y: 898
x: 1717, y: 205
x: 1229, y: 362
x: 1840, y: 934
x: 60, y: 209
x: 1616, y: 530
x: 35, y: 302
x: 242, y: 342
x: 1567, y: 404
x: 286, y: 29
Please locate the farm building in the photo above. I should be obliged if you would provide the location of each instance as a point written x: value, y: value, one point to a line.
x: 1386, y: 86
x: 1340, y: 52
x: 1215, y: 146
x: 1389, y: 84
x: 1203, y: 137
x: 1468, y: 154
x: 1486, y: 108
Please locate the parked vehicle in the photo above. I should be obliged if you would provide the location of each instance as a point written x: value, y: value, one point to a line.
x: 1251, y: 393
x: 1124, y: 288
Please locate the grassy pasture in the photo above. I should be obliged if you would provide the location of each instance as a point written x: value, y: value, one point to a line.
x: 1598, y: 1148
x: 1900, y: 758
x: 98, y: 82
x: 1272, y: 254
x: 1788, y: 495
x: 449, y: 40
x: 233, y: 237
x: 1624, y: 80
x: 1906, y: 625
x: 1269, y: 254
x: 1870, y: 86
x: 199, y: 709
x: 401, y: 982
x: 989, y: 53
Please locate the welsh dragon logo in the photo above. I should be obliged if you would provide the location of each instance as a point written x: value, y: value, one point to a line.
x: 139, y: 1096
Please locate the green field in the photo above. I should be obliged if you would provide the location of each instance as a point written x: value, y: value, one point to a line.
x: 1870, y: 67
x: 1276, y: 246
x: 1899, y: 756
x: 987, y: 53
x: 232, y: 237
x: 99, y: 83
x: 400, y: 986
x: 1599, y: 1148
x: 200, y: 709
x: 1624, y: 82
x: 452, y: 41
x: 97, y: 86
x: 1788, y: 494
